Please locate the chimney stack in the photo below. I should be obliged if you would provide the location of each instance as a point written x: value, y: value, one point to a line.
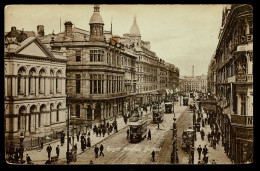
x: 40, y: 30
x: 68, y: 28
x: 193, y: 71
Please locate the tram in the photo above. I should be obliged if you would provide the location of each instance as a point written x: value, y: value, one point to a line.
x: 187, y: 138
x: 138, y: 127
x: 168, y: 107
x: 157, y: 113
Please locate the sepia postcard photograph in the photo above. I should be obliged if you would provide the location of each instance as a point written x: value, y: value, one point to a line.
x: 128, y: 84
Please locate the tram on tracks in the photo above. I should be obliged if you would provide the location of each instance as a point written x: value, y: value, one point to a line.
x: 168, y: 107
x: 158, y: 113
x: 138, y: 127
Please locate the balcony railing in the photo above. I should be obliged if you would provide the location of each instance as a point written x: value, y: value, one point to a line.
x: 242, y: 120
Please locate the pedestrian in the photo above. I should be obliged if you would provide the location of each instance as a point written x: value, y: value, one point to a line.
x: 96, y: 151
x: 206, y: 121
x: 70, y: 140
x: 214, y: 143
x: 218, y: 136
x: 202, y: 134
x: 127, y: 133
x: 48, y: 149
x: 158, y: 125
x: 78, y: 133
x: 41, y: 142
x: 88, y: 143
x: 103, y: 131
x: 28, y: 159
x: 149, y: 134
x: 58, y: 150
x: 125, y: 120
x: 101, y: 148
x: 16, y: 157
x: 116, y: 128
x: 21, y: 150
x: 153, y: 156
x: 99, y: 131
x: 209, y: 136
x: 199, y: 149
x: 192, y: 155
x: 82, y: 144
x: 205, y: 151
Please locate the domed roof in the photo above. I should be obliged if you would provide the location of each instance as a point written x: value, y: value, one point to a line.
x: 135, y: 29
x: 96, y: 17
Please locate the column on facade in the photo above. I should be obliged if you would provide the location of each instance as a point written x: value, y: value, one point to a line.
x: 54, y: 85
x: 37, y: 86
x: 26, y: 81
x: 27, y: 125
x: 36, y: 122
x: 45, y: 86
x: 93, y: 112
x: 14, y: 85
x: 238, y: 105
x: 102, y: 112
x: 249, y: 64
x: 5, y: 86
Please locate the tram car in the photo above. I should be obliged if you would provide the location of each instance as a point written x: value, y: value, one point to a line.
x: 138, y: 127
x: 157, y: 113
x: 168, y: 107
x: 185, y: 100
x: 187, y: 138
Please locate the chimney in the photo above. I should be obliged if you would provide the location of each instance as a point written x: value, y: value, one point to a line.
x: 68, y: 28
x: 40, y: 30
x: 192, y: 70
x: 13, y: 28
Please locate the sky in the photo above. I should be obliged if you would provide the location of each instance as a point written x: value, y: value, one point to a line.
x: 183, y: 35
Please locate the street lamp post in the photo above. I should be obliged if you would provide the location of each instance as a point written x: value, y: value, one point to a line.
x: 174, y: 147
x: 73, y: 119
x: 68, y: 148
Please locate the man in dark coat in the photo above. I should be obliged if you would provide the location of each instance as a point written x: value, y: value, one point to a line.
x: 48, y: 149
x: 96, y: 151
x: 205, y: 151
x: 127, y: 133
x: 21, y: 150
x: 202, y: 134
x: 153, y: 156
x: 41, y: 143
x: 101, y: 148
x: 103, y: 131
x: 149, y: 134
x: 199, y: 149
x: 99, y: 131
x: 58, y: 150
x: 78, y: 133
x: 28, y: 159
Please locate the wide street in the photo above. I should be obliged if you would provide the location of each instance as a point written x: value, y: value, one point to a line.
x: 118, y: 150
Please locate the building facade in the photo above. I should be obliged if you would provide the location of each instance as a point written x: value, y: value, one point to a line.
x: 231, y: 81
x: 108, y: 75
x: 198, y: 84
x: 35, y: 95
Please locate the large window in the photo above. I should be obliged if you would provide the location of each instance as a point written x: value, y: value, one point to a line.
x: 96, y: 55
x: 58, y: 81
x: 77, y: 111
x: 41, y: 81
x: 96, y: 84
x: 243, y: 104
x: 78, y: 56
x: 78, y: 83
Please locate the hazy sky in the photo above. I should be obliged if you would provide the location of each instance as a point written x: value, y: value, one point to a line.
x: 184, y: 35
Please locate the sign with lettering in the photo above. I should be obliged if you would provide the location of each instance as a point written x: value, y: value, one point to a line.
x: 249, y: 121
x: 241, y: 88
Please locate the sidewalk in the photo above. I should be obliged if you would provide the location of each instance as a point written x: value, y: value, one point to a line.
x: 39, y: 157
x: 217, y: 154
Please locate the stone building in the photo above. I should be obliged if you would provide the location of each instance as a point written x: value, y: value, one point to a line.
x: 189, y: 83
x: 100, y: 71
x: 108, y: 75
x: 35, y: 95
x: 232, y: 82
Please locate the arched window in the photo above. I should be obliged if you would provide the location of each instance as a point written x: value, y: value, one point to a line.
x: 21, y: 81
x: 21, y: 122
x: 51, y: 82
x: 58, y: 81
x: 77, y: 111
x: 89, y: 112
x: 58, y: 112
x: 32, y: 112
x: 42, y: 73
x: 32, y: 74
x: 42, y: 110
